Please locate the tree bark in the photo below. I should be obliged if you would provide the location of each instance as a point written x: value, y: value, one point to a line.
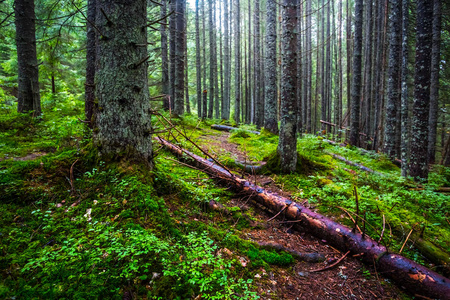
x: 237, y: 64
x: 179, y: 58
x: 211, y: 60
x: 287, y: 142
x: 205, y: 92
x: 308, y: 86
x: 259, y: 101
x: 406, y: 273
x: 356, y: 75
x: 89, y: 86
x: 421, y: 106
x: 164, y: 57
x: 198, y: 65
x: 122, y: 114
x: 404, y: 96
x: 227, y: 81
x: 270, y: 102
x: 434, y: 88
x: 393, y: 92
x: 28, y: 71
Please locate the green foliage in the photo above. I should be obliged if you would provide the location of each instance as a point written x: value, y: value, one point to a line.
x: 258, y: 256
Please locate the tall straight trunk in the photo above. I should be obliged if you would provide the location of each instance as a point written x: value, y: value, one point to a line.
x: 270, y: 101
x: 222, y: 104
x: 318, y: 68
x: 211, y: 60
x: 304, y: 68
x: 322, y: 76
x: 308, y: 66
x: 349, y: 56
x: 287, y: 143
x: 356, y: 83
x: 179, y: 56
x: 328, y: 68
x: 262, y: 65
x: 259, y: 101
x: 198, y: 65
x: 340, y: 77
x: 165, y: 83
x: 172, y: 50
x: 299, y: 69
x: 246, y: 113
x: 122, y: 116
x: 205, y: 90
x: 186, y: 77
x: 434, y: 88
x: 404, y: 96
x: 393, y: 92
x: 422, y: 80
x: 237, y: 64
x: 215, y: 76
x: 367, y: 94
x: 28, y: 71
x: 89, y: 87
x: 251, y: 66
x: 227, y: 81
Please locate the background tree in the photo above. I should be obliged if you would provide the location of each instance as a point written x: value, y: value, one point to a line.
x: 28, y: 72
x: 164, y: 56
x: 198, y: 65
x: 89, y: 86
x: 179, y: 57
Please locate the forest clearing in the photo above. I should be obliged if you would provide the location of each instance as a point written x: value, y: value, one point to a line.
x: 224, y: 149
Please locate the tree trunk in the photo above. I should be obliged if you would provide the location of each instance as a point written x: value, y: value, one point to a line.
x: 404, y: 96
x: 89, y: 86
x: 299, y: 69
x: 349, y: 56
x: 237, y: 64
x: 367, y: 94
x: 172, y: 44
x: 356, y: 75
x: 434, y: 88
x: 270, y: 102
x: 259, y: 102
x: 308, y: 67
x: 216, y: 78
x: 164, y: 57
x: 186, y: 77
x: 211, y: 61
x: 205, y: 92
x: 179, y: 57
x: 198, y: 65
x: 28, y: 70
x: 421, y: 107
x: 406, y: 273
x: 222, y: 104
x: 227, y: 81
x: 393, y: 91
x: 122, y: 117
x: 323, y: 62
x: 287, y: 143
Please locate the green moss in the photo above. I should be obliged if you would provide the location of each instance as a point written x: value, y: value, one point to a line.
x: 305, y: 166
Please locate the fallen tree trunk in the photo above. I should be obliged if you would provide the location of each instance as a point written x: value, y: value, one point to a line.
x: 250, y: 168
x: 313, y: 257
x: 407, y: 273
x: 229, y: 128
x: 351, y: 163
x: 395, y: 161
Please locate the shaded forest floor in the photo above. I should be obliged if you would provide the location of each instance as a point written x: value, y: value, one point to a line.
x: 76, y: 227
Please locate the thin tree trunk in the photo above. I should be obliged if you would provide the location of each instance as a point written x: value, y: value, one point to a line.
x: 180, y: 58
x: 349, y: 57
x: 270, y: 102
x: 434, y: 88
x: 367, y: 94
x: 287, y: 144
x: 89, y: 88
x: 356, y: 84
x: 237, y: 66
x: 322, y: 76
x: 308, y: 67
x: 198, y: 66
x: 205, y: 90
x: 172, y: 44
x: 299, y: 69
x: 222, y: 103
x: 215, y: 76
x: 186, y: 77
x: 28, y: 72
x: 259, y: 109
x: 227, y: 87
x: 211, y: 61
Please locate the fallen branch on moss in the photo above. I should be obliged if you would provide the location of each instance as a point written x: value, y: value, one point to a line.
x: 229, y: 128
x: 250, y: 168
x: 407, y: 273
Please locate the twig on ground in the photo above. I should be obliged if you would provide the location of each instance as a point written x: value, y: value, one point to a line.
x: 332, y: 265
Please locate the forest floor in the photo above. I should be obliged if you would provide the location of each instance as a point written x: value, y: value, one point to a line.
x: 350, y: 279
x: 75, y: 227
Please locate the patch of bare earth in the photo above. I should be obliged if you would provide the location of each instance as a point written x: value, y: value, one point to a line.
x: 349, y: 279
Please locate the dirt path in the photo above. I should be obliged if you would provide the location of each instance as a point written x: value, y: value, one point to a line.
x: 350, y: 279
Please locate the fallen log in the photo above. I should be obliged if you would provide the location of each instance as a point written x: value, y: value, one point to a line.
x: 303, y: 256
x: 395, y: 161
x: 405, y: 272
x: 351, y: 163
x: 229, y: 128
x: 249, y: 167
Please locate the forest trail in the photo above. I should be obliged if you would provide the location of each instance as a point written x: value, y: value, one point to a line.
x: 350, y: 279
